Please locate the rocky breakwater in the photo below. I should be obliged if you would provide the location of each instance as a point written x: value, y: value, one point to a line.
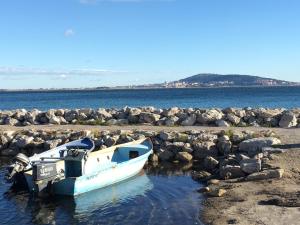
x: 221, y: 155
x: 159, y: 117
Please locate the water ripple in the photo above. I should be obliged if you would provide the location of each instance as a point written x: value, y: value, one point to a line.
x: 145, y: 199
x: 288, y: 97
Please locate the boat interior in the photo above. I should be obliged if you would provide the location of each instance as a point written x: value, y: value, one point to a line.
x: 125, y: 153
x: 105, y: 159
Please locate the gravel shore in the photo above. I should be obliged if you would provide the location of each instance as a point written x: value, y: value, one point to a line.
x: 268, y: 202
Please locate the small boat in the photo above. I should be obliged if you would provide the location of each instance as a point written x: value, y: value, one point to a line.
x: 78, y: 169
x: 22, y: 163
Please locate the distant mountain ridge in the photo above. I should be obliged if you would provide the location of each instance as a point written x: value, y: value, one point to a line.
x: 211, y: 80
x: 199, y: 80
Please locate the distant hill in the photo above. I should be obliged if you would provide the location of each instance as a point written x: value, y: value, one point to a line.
x: 199, y: 80
x: 211, y: 80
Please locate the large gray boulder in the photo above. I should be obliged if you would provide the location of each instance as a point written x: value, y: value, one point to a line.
x: 103, y: 114
x: 20, y: 114
x: 175, y: 146
x: 23, y: 141
x: 230, y: 172
x: 121, y: 122
x: 250, y: 165
x: 210, y: 163
x: 181, y: 137
x: 42, y: 118
x: 9, y: 134
x: 216, y: 192
x: 210, y: 116
x: 71, y: 115
x: 170, y: 112
x: 153, y: 158
x: 134, y: 111
x: 57, y: 120
x: 204, y: 149
x: 133, y: 119
x: 233, y: 118
x: 204, y: 136
x: 10, y: 121
x: 111, y: 122
x: 187, y: 148
x: 86, y: 111
x: 237, y: 137
x: 189, y: 121
x: 166, y: 136
x: 49, y: 113
x: 149, y: 109
x: 52, y: 118
x: 133, y: 115
x: 184, y: 156
x: 288, y: 119
x: 165, y: 155
x: 224, y: 145
x: 49, y: 144
x: 222, y: 123
x: 9, y: 152
x: 146, y: 117
x: 271, y: 150
x: 268, y: 113
x: 59, y: 112
x: 31, y: 116
x: 110, y: 141
x: 266, y: 174
x: 3, y: 141
x: 255, y: 145
x: 171, y: 121
x: 201, y: 175
x: 82, y: 116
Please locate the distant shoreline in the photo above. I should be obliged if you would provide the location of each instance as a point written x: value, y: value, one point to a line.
x: 138, y: 88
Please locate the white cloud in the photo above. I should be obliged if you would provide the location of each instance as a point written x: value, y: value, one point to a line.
x: 63, y: 76
x: 62, y: 73
x: 69, y: 32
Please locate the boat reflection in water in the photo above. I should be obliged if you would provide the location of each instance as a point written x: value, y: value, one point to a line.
x: 114, y: 194
x: 164, y: 195
x: 68, y: 209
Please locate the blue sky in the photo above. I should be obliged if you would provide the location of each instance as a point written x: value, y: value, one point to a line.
x: 88, y: 43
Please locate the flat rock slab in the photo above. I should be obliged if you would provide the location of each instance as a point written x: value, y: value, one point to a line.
x: 255, y: 145
x: 266, y: 174
x: 250, y: 166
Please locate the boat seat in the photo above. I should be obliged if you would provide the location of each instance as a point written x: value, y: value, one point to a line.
x: 84, y: 144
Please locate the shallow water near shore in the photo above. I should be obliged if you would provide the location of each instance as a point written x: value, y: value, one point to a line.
x: 273, y: 97
x: 155, y: 196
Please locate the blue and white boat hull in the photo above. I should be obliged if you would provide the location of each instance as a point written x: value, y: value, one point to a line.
x: 86, y: 171
x: 100, y: 179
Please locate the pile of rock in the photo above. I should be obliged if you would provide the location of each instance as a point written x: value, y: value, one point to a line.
x: 226, y: 155
x: 159, y: 117
x: 237, y: 157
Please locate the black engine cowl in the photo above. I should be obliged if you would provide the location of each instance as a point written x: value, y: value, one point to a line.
x: 21, y: 161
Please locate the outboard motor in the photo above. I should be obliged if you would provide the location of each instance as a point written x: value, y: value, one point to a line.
x: 21, y: 161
